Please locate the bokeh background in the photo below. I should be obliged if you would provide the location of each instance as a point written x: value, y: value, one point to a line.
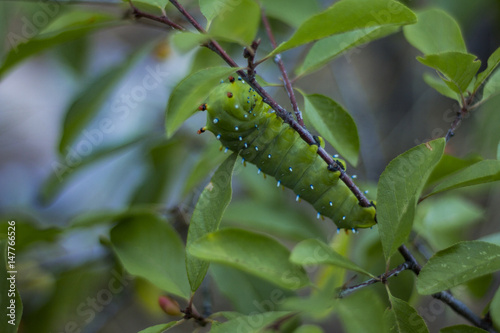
x: 61, y: 264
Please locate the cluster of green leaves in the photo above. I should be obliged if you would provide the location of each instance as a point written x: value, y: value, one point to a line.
x: 437, y: 35
x: 245, y: 244
x: 401, y: 185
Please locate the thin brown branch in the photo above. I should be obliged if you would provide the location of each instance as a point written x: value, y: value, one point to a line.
x: 458, y: 119
x: 381, y: 278
x: 249, y: 54
x: 191, y: 313
x: 188, y: 16
x: 162, y: 19
x: 281, y: 65
x: 464, y: 311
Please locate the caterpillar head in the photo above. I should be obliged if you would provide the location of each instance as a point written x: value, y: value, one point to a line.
x: 233, y: 106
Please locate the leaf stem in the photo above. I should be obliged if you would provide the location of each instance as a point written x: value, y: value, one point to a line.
x: 188, y: 16
x: 458, y: 119
x: 162, y: 19
x: 191, y: 313
x: 381, y: 278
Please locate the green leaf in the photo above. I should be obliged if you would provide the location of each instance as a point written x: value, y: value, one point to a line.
x: 440, y: 86
x: 75, y: 55
x: 492, y: 86
x: 205, y: 58
x: 63, y: 293
x: 66, y: 27
x: 462, y: 329
x: 479, y: 287
x: 498, y: 151
x: 493, y: 62
x: 442, y: 221
x: 88, y: 102
x: 150, y: 248
x: 207, y: 215
x: 309, y: 329
x: 325, y: 50
x: 314, y: 252
x: 482, y: 172
x: 206, y: 163
x: 185, y: 41
x: 316, y: 306
x: 66, y: 167
x: 495, y: 308
x: 190, y: 93
x: 399, y: 189
x: 335, y: 124
x: 159, y: 328
x: 458, y: 68
x: 10, y: 302
x: 211, y: 8
x: 435, y: 32
x: 297, y: 11
x: 253, y: 253
x: 247, y: 293
x: 457, y: 264
x: 8, y: 14
x: 28, y: 232
x: 448, y: 213
x: 366, y: 304
x: 107, y: 216
x: 278, y: 220
x: 165, y: 158
x: 226, y: 314
x: 348, y: 15
x: 155, y: 3
x: 254, y: 323
x: 235, y: 22
x: 450, y: 164
x: 403, y: 318
x: 329, y: 278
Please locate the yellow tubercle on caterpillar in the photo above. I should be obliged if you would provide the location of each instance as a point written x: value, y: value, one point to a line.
x: 321, y: 141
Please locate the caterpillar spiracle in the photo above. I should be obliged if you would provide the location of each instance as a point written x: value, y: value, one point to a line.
x: 244, y: 124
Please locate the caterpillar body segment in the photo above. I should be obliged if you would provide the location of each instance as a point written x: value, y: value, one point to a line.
x: 243, y: 123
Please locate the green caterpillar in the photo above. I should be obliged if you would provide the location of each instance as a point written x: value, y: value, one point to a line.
x: 244, y: 124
